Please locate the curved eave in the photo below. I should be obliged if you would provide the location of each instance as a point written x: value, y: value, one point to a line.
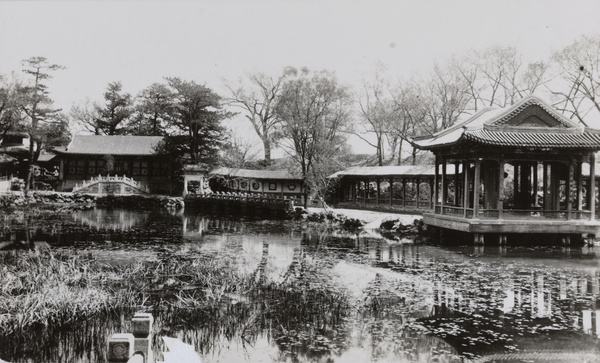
x: 535, y: 140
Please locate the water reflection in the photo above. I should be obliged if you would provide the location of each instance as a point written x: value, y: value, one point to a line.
x: 347, y: 297
x: 112, y: 219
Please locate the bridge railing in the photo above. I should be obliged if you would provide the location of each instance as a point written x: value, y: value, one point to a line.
x: 111, y: 179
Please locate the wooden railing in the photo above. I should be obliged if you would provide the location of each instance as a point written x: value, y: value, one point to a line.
x: 514, y: 213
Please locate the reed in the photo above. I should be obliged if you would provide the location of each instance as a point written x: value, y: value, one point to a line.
x: 44, y: 288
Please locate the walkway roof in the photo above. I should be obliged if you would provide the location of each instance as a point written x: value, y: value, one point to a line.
x: 254, y: 174
x: 390, y: 171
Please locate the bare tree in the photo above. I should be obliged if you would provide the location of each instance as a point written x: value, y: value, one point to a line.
x: 86, y: 115
x: 313, y: 109
x: 237, y: 153
x: 579, y: 67
x: 498, y: 77
x: 442, y: 99
x: 258, y: 101
x: 376, y: 110
x: 409, y: 114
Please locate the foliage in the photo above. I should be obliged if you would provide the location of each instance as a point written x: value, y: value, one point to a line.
x: 197, y: 116
x: 11, y: 115
x: 118, y: 108
x: 154, y: 110
x: 37, y: 105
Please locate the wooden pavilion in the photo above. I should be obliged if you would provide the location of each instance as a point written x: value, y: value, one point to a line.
x: 515, y: 170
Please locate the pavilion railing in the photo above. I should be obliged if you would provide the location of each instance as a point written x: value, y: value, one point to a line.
x: 514, y: 213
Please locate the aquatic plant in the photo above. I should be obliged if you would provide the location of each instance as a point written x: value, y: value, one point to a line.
x: 53, y: 288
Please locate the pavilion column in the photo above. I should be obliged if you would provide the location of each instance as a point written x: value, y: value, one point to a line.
x: 444, y: 186
x: 593, y: 186
x: 545, y: 186
x: 476, y: 182
x: 456, y: 188
x: 466, y: 187
x: 353, y: 191
x: 500, y: 188
x: 435, y: 183
x: 378, y: 190
x: 403, y: 192
x: 418, y: 192
x: 391, y: 181
x: 568, y: 191
x: 579, y: 181
x: 431, y: 193
x: 535, y: 184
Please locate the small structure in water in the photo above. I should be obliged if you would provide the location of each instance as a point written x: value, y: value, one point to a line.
x: 515, y: 170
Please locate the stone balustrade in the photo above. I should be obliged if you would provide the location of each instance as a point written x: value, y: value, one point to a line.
x: 115, y: 179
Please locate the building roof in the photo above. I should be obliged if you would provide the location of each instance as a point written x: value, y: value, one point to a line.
x: 390, y: 171
x: 530, y: 123
x: 113, y: 145
x: 254, y: 174
x: 6, y: 159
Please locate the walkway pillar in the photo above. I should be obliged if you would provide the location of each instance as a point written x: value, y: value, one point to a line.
x: 500, y: 188
x: 418, y: 192
x: 391, y: 197
x: 456, y: 189
x: 434, y: 191
x: 377, y: 181
x: 568, y: 191
x: 593, y: 186
x: 579, y: 181
x: 466, y: 187
x: 476, y: 183
x: 444, y: 186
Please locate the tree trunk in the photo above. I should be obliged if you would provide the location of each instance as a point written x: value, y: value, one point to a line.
x: 400, y: 152
x: 379, y: 151
x: 267, y: 147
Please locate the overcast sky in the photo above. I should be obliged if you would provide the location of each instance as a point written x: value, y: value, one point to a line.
x: 140, y: 42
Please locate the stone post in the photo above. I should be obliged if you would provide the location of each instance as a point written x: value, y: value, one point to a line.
x: 120, y: 347
x: 134, y: 347
x: 141, y: 328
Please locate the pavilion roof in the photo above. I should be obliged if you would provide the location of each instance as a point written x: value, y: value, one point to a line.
x: 530, y: 123
x: 113, y: 145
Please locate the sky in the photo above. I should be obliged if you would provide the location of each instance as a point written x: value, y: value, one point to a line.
x: 140, y: 42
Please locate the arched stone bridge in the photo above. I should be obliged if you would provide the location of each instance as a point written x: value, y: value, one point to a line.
x: 111, y: 185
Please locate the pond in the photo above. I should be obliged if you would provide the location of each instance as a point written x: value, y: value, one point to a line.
x: 311, y: 293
